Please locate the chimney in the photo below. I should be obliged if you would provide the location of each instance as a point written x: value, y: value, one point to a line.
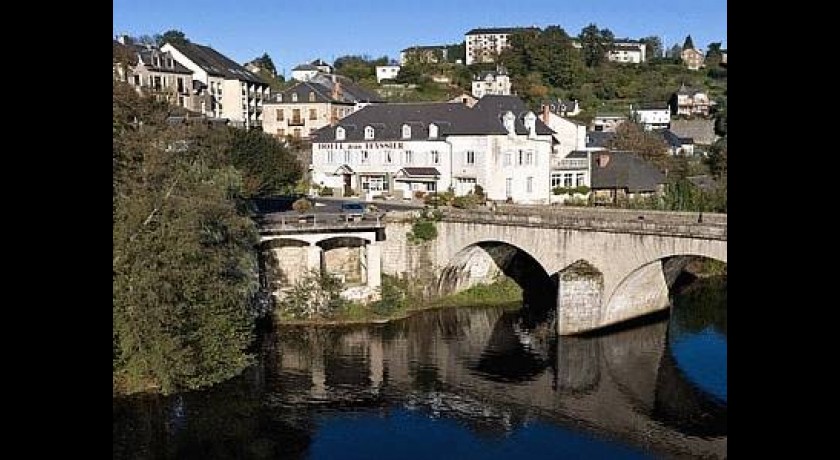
x: 545, y: 111
x: 602, y: 159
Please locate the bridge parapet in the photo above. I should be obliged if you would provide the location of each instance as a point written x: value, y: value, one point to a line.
x: 297, y: 223
x: 644, y: 222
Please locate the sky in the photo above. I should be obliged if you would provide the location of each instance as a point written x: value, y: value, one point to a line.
x: 297, y: 32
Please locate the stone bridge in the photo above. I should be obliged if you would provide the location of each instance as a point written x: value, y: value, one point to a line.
x: 598, y: 267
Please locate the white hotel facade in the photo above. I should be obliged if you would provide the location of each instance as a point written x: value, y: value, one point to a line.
x: 498, y: 144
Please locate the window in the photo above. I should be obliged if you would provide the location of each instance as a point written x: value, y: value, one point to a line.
x: 347, y: 156
x: 579, y: 179
x: 567, y: 180
x: 297, y: 133
x: 406, y: 132
x: 529, y: 185
x: 330, y: 156
x: 508, y: 158
x: 137, y: 80
x: 529, y: 157
x: 281, y: 132
x: 435, y: 157
x: 387, y: 155
x: 369, y: 132
x: 313, y: 114
x: 296, y: 117
x: 509, y: 187
x: 365, y: 157
x: 279, y: 114
x: 294, y: 97
x: 521, y: 157
x: 433, y: 130
x: 556, y: 180
x: 470, y: 157
x: 409, y: 157
x: 311, y: 96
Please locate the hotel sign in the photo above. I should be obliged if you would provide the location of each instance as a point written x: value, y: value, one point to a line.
x: 359, y: 145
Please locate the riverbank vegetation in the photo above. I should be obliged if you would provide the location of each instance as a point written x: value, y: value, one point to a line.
x: 185, y: 277
x: 307, y: 301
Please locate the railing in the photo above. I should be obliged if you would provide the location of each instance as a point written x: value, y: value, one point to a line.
x: 318, y: 221
x: 299, y: 122
x: 691, y: 224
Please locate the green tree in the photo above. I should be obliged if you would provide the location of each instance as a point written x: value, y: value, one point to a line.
x: 594, y: 45
x: 185, y: 284
x: 653, y: 47
x: 717, y: 158
x: 649, y: 145
x: 171, y: 36
x: 266, y: 63
x: 675, y: 52
x: 267, y: 166
x: 713, y: 55
x: 184, y: 269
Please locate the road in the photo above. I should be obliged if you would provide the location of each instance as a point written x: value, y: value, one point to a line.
x: 326, y: 205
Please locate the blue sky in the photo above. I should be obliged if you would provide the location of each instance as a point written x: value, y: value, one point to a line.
x: 294, y: 32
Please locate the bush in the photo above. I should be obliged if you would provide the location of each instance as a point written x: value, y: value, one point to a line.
x: 419, y: 194
x: 392, y: 296
x: 315, y: 295
x: 302, y: 205
x: 326, y: 191
x: 423, y: 229
x: 582, y: 189
x: 558, y: 190
x: 469, y: 201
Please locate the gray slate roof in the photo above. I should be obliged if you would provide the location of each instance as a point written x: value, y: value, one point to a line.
x: 674, y: 140
x: 625, y: 170
x: 702, y: 131
x: 216, y: 64
x: 351, y: 92
x: 577, y: 154
x: 499, y: 30
x: 302, y: 89
x: 485, y: 118
x: 147, y: 56
x: 420, y: 171
x: 598, y: 138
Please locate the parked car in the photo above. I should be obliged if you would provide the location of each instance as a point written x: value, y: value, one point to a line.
x: 353, y: 210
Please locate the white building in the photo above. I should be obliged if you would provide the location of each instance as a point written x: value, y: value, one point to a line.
x: 652, y: 116
x: 627, y: 51
x: 484, y: 45
x: 416, y: 148
x: 386, y: 72
x: 490, y: 82
x: 234, y: 92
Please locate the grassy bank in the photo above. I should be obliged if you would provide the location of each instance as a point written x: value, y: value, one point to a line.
x: 400, y: 301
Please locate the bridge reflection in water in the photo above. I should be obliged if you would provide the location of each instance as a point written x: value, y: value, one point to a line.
x: 485, y: 368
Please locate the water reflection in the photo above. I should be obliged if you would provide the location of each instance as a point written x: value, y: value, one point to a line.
x: 466, y: 383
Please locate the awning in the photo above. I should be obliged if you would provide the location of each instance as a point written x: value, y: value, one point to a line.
x: 417, y: 174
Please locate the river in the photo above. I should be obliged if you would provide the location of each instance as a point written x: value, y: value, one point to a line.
x: 479, y: 382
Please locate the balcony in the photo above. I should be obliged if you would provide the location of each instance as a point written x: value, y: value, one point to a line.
x: 296, y: 122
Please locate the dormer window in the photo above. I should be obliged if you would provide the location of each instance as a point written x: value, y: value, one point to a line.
x: 406, y: 132
x: 368, y: 132
x: 339, y: 133
x: 433, y: 130
x: 294, y: 97
x: 311, y: 96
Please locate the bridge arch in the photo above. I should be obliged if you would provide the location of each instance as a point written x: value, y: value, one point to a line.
x: 483, y: 261
x: 646, y: 289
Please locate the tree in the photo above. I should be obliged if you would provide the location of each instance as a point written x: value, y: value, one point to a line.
x: 355, y: 67
x: 184, y: 269
x: 649, y: 145
x: 713, y: 55
x: 172, y: 36
x: 267, y: 166
x: 266, y: 63
x: 653, y: 46
x: 594, y: 45
x: 717, y: 158
x: 688, y: 44
x: 675, y: 52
